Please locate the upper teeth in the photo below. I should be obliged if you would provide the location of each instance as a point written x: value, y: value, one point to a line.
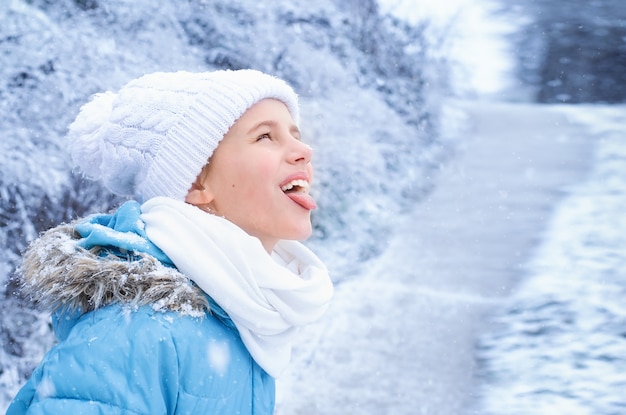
x: 303, y: 184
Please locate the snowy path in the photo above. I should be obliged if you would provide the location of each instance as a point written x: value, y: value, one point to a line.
x: 399, y: 339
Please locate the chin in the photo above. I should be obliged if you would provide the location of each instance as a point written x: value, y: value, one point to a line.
x: 301, y: 234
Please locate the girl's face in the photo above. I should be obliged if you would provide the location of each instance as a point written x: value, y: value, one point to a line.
x: 259, y: 176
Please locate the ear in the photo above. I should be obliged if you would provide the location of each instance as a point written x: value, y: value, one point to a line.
x: 199, y: 195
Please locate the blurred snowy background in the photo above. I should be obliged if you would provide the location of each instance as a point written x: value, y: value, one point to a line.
x: 374, y: 79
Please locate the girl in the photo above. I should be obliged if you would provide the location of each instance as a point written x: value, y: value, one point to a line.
x: 188, y: 302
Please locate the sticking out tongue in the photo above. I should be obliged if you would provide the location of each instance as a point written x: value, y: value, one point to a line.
x: 303, y: 199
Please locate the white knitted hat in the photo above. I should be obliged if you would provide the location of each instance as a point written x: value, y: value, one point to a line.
x: 156, y: 134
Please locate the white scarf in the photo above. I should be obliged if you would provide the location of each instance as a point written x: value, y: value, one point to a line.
x: 267, y: 297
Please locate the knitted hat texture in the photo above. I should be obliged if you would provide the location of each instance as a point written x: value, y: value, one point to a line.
x: 154, y: 136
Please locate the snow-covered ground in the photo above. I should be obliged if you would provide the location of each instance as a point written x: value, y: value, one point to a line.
x: 558, y: 345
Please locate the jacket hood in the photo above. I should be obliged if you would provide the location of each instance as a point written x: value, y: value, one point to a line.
x: 58, y: 274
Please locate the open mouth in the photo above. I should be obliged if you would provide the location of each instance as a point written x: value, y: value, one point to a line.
x: 296, y: 186
x: 298, y: 191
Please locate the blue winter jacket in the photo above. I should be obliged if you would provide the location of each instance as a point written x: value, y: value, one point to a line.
x: 134, y: 335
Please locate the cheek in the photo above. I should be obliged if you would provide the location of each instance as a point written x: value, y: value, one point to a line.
x: 253, y: 175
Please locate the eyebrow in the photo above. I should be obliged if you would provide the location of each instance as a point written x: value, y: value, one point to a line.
x: 272, y: 124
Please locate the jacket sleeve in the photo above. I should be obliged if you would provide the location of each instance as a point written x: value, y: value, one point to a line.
x: 112, y: 362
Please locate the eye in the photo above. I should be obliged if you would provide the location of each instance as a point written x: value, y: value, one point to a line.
x: 265, y: 136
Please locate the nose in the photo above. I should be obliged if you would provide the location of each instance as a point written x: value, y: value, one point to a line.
x: 300, y: 152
